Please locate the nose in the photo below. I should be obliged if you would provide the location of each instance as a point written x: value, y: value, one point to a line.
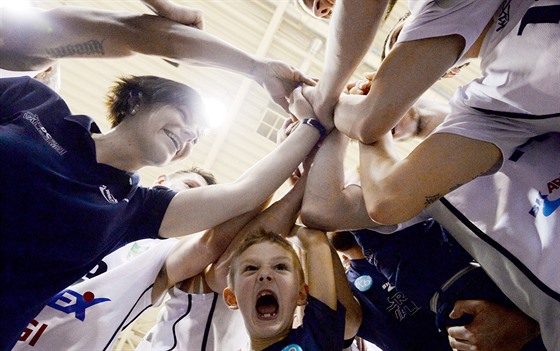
x: 190, y: 135
x: 321, y: 8
x: 264, y: 275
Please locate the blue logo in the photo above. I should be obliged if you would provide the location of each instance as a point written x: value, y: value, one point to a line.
x: 545, y: 205
x: 292, y: 347
x: 76, y: 303
x: 363, y: 283
x: 548, y: 207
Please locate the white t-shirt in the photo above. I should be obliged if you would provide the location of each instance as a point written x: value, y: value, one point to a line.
x: 196, y: 322
x: 466, y: 18
x: 510, y: 223
x: 90, y: 314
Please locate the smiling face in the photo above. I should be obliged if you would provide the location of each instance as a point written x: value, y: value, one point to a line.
x: 266, y: 288
x: 164, y: 134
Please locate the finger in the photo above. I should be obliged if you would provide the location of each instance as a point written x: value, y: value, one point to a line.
x: 461, y: 345
x: 466, y: 306
x: 370, y: 75
x: 281, y: 100
x: 460, y: 333
x: 300, y: 77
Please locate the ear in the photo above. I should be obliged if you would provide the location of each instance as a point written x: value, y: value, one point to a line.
x: 230, y: 299
x: 302, y: 295
x: 133, y: 102
x: 162, y: 178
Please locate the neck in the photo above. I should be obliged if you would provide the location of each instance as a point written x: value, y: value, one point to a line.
x: 105, y: 146
x: 259, y: 344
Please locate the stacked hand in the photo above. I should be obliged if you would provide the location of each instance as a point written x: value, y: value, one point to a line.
x: 279, y: 79
x: 360, y: 87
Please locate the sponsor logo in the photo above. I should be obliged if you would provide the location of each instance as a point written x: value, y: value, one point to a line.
x: 388, y: 286
x: 543, y: 204
x: 34, y: 120
x: 503, y: 18
x: 363, y: 283
x: 107, y: 195
x: 33, y: 331
x: 69, y: 301
x: 292, y: 347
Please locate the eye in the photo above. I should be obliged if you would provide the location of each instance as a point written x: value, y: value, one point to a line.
x: 249, y: 268
x: 191, y: 185
x: 282, y: 267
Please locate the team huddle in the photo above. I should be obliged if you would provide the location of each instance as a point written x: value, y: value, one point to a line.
x: 453, y: 247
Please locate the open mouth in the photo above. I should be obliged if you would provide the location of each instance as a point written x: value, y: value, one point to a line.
x: 173, y: 138
x: 267, y: 306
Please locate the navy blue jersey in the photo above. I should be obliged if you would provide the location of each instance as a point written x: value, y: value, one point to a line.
x: 322, y: 329
x: 61, y: 211
x: 390, y: 319
x: 417, y: 260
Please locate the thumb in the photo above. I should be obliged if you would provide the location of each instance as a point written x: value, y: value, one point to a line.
x: 462, y: 307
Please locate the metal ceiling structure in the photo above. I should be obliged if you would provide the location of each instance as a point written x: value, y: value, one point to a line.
x: 277, y: 29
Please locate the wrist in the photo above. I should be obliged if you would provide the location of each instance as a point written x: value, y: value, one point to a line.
x: 313, y: 122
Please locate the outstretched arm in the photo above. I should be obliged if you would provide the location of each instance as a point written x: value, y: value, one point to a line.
x: 74, y: 32
x: 329, y: 205
x: 397, y: 190
x: 351, y: 32
x: 196, y: 209
x: 279, y: 218
x: 326, y: 278
x: 368, y: 118
x: 199, y: 250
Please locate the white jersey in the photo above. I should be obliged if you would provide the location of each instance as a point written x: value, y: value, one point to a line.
x: 90, y: 314
x: 466, y: 18
x: 510, y: 223
x: 517, y: 96
x: 196, y: 322
x: 520, y: 61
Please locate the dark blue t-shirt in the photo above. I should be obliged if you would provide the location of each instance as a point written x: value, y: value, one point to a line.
x: 390, y: 319
x: 61, y: 211
x: 417, y: 260
x: 322, y: 329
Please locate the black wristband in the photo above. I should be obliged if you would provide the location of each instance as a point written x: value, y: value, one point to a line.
x: 316, y: 124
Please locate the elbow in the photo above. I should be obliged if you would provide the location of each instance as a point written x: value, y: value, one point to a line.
x: 317, y: 217
x: 388, y: 210
x: 353, y: 319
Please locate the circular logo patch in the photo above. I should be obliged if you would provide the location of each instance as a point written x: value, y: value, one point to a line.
x: 363, y: 283
x: 292, y: 347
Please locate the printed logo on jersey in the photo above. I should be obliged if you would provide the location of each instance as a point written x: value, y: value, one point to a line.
x: 107, y: 195
x: 70, y: 301
x: 503, y: 18
x: 388, y: 286
x: 401, y: 306
x: 292, y: 347
x: 363, y: 283
x: 543, y: 204
x: 34, y: 120
x: 136, y: 250
x: 33, y: 331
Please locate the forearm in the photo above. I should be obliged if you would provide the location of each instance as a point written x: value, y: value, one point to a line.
x: 327, y: 204
x: 320, y: 271
x: 346, y: 298
x: 197, y: 209
x: 368, y: 118
x: 80, y: 32
x: 351, y: 32
x: 376, y: 164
